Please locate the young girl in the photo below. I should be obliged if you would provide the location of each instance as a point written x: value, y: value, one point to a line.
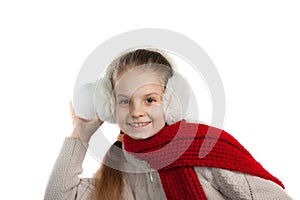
x: 157, y: 153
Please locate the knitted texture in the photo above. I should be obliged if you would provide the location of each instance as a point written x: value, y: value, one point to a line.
x: 174, y: 150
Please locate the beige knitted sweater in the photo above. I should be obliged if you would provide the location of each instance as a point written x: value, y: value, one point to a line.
x: 218, y: 184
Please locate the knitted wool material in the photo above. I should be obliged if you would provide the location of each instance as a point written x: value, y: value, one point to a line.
x: 174, y: 151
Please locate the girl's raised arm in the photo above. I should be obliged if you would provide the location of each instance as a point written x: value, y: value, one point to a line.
x: 64, y: 181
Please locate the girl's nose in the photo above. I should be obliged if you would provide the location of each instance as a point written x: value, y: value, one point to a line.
x: 136, y: 110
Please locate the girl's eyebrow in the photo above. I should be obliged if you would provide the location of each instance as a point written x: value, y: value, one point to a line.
x: 122, y: 95
x: 149, y: 94
x: 153, y: 93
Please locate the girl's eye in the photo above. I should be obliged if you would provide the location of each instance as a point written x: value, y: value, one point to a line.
x: 124, y: 102
x: 149, y: 100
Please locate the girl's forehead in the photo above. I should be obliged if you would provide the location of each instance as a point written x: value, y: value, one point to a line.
x: 141, y: 92
x: 132, y: 81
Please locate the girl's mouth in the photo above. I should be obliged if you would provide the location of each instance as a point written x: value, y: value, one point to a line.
x: 138, y: 124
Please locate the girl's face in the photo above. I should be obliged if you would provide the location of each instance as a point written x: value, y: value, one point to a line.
x: 139, y: 108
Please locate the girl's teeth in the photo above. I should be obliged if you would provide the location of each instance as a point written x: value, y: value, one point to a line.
x: 139, y: 124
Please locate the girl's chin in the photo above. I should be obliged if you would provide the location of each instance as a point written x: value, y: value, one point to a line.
x: 140, y: 136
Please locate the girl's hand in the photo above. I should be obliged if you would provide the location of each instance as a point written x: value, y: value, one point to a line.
x: 84, y: 128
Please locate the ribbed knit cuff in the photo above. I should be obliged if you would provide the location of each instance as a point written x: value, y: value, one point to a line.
x: 67, y: 167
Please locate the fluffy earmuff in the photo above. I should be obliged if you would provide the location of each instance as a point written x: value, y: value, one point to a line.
x: 176, y: 98
x: 104, y: 98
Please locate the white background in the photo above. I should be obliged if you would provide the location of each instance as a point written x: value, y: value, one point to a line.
x: 255, y: 46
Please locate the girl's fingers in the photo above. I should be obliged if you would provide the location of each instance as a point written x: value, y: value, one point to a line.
x: 73, y: 113
x: 75, y: 118
x: 72, y: 109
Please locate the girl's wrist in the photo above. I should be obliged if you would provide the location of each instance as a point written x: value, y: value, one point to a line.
x: 75, y: 135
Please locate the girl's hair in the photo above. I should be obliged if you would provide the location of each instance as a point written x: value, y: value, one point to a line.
x: 148, y: 61
x: 108, y: 181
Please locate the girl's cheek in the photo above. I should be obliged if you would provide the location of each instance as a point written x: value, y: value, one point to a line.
x: 121, y: 113
x: 157, y: 111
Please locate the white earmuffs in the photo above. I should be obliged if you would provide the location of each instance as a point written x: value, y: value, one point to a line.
x: 98, y: 98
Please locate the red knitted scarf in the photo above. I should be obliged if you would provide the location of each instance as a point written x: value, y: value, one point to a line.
x: 175, y: 149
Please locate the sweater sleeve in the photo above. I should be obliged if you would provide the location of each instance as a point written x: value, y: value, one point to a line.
x: 64, y: 182
x: 237, y: 185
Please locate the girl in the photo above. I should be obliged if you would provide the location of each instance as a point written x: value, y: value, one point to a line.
x: 157, y: 153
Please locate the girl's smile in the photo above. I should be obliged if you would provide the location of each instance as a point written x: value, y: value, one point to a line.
x: 139, y: 124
